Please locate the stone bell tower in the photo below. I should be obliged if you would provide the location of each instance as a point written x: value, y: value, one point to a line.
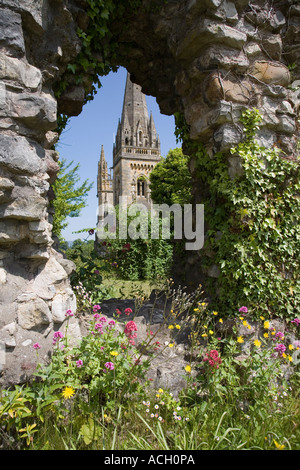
x: 136, y: 149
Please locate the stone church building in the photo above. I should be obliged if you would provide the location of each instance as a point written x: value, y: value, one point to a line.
x: 136, y: 151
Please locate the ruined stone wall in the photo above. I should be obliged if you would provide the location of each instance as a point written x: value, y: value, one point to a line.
x: 208, y: 59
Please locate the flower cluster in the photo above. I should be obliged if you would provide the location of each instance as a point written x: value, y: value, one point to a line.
x: 130, y: 331
x: 213, y: 359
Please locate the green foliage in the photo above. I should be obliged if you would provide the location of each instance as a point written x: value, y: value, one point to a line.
x: 256, y: 215
x: 87, y: 279
x: 141, y: 258
x: 69, y: 199
x: 171, y: 179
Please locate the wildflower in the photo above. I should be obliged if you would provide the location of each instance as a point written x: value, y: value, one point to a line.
x: 69, y: 313
x: 267, y: 325
x: 212, y: 357
x: 118, y: 311
x: 130, y: 331
x: 156, y: 407
x: 279, y: 446
x: 296, y: 321
x: 204, y: 335
x: 243, y: 309
x: 177, y: 327
x: 171, y: 345
x: 266, y: 335
x: 128, y: 311
x: 215, y: 313
x: 290, y: 358
x: 279, y: 334
x: 240, y: 339
x: 291, y: 347
x: 211, y: 332
x: 245, y: 323
x: 280, y: 348
x: 296, y: 344
x: 170, y: 327
x: 257, y: 343
x: 36, y: 346
x: 68, y: 392
x: 188, y: 368
x: 196, y: 309
x: 262, y: 318
x: 109, y: 365
x: 57, y: 336
x: 79, y: 363
x: 96, y: 316
x: 102, y: 319
x: 111, y: 324
x: 96, y: 308
x: 220, y: 320
x: 91, y: 231
x: 114, y: 353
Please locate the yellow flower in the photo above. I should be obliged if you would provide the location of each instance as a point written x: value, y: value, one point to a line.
x: 215, y: 313
x: 290, y: 358
x: 171, y: 345
x: 188, y: 369
x: 220, y: 320
x: 68, y: 392
x: 196, y: 309
x: 262, y: 318
x: 204, y: 335
x: 160, y: 390
x: 267, y: 325
x: 211, y: 332
x: 177, y: 327
x: 279, y: 446
x: 205, y: 326
x: 203, y: 304
x: 114, y: 353
x: 284, y: 355
x: 240, y: 339
x: 291, y: 347
x: 245, y: 323
x: 266, y: 335
x: 241, y: 318
x: 257, y: 343
x: 170, y: 327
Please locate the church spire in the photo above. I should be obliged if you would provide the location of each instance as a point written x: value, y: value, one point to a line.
x: 136, y: 132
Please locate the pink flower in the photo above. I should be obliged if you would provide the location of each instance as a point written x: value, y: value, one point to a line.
x: 96, y: 308
x: 128, y: 311
x: 57, y: 336
x: 279, y: 335
x: 213, y: 359
x: 118, y: 311
x: 243, y: 310
x: 297, y: 321
x: 111, y: 324
x: 36, y: 346
x: 109, y: 365
x: 130, y: 331
x: 79, y: 363
x: 280, y: 348
x: 96, y: 316
x: 69, y: 313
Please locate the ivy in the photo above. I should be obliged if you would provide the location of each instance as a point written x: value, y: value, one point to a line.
x: 99, y: 49
x: 253, y: 226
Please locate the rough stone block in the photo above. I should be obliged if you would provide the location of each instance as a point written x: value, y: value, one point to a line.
x: 18, y: 155
x: 33, y: 312
x: 11, y: 34
x: 270, y: 72
x: 19, y: 72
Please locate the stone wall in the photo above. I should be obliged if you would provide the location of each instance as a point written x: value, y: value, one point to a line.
x: 208, y: 59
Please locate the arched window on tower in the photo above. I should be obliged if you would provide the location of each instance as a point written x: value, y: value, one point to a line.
x: 141, y: 187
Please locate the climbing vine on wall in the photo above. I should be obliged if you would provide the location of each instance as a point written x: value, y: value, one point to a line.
x: 99, y: 49
x: 253, y: 225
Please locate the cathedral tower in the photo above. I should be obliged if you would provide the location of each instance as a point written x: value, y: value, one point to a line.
x: 104, y: 185
x: 137, y: 148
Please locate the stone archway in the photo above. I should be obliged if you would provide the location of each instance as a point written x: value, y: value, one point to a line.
x: 207, y: 60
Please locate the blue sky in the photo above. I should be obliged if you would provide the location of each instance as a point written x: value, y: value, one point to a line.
x: 97, y: 125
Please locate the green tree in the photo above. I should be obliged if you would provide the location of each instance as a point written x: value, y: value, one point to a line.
x: 69, y: 197
x: 170, y: 180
